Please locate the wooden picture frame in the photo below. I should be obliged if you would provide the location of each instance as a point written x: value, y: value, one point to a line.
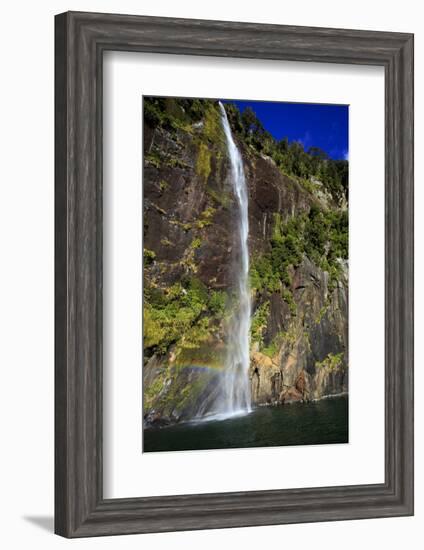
x: 81, y: 39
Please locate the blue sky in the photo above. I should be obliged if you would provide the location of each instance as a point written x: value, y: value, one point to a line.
x: 315, y: 125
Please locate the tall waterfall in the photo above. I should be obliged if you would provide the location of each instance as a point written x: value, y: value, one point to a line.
x: 236, y: 386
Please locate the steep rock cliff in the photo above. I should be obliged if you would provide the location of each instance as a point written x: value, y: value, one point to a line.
x: 299, y: 285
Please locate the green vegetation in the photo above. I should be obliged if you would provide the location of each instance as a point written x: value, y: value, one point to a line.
x: 180, y: 315
x: 206, y: 217
x: 167, y: 113
x: 157, y: 159
x: 288, y: 338
x: 196, y: 243
x: 262, y: 275
x: 212, y: 125
x: 169, y: 393
x: 259, y: 322
x: 272, y: 349
x: 321, y: 235
x: 288, y: 298
x: 203, y: 163
x: 291, y: 157
x: 153, y: 158
x: 204, y: 220
x: 217, y: 301
x: 321, y: 313
x: 222, y: 198
x: 175, y: 114
x: 185, y: 226
x: 332, y: 362
x: 148, y: 256
x: 153, y: 391
x: 187, y: 115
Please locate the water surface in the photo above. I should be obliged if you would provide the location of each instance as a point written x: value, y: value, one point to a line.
x: 320, y: 422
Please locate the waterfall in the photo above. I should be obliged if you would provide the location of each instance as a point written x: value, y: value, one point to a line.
x: 235, y: 393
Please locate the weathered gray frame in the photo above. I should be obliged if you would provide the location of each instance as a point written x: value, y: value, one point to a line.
x: 81, y: 39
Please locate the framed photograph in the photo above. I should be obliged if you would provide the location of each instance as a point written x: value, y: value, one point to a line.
x: 234, y: 274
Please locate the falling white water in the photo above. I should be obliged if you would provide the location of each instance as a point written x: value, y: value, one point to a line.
x: 236, y: 386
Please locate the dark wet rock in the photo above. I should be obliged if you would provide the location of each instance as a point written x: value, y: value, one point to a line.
x: 291, y: 395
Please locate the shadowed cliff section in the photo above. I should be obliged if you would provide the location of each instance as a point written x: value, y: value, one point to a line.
x: 298, y: 259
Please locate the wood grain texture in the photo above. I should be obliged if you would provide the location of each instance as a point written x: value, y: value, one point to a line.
x: 81, y: 39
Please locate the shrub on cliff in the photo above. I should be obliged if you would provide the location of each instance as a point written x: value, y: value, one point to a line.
x: 321, y: 235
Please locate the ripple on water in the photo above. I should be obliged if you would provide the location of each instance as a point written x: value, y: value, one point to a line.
x: 315, y: 423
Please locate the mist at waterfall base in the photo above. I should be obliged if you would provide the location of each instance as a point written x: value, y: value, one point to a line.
x: 314, y: 423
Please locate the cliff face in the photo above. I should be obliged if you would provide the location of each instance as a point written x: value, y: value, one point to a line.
x: 299, y: 284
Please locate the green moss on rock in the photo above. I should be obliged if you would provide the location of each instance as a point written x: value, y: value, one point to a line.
x: 331, y: 362
x: 203, y: 163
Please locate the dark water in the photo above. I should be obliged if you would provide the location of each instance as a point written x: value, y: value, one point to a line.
x: 321, y: 422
